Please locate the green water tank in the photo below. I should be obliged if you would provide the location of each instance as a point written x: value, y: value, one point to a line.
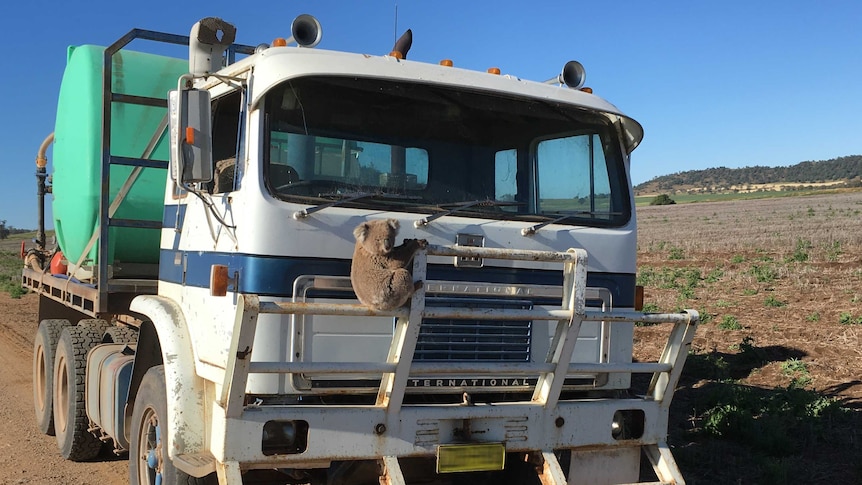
x: 77, y: 152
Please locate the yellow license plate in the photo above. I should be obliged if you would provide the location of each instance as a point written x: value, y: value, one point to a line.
x: 471, y: 457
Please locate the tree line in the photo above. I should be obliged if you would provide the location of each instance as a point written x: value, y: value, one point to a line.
x: 6, y: 231
x: 847, y: 169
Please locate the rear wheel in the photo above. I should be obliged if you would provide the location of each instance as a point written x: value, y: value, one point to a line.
x: 148, y: 451
x: 120, y: 335
x: 70, y: 412
x: 96, y: 323
x: 44, y: 347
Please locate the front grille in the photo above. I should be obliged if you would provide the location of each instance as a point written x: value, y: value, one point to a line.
x: 474, y: 340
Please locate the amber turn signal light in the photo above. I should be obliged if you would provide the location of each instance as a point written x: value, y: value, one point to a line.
x: 639, y: 298
x: 218, y: 280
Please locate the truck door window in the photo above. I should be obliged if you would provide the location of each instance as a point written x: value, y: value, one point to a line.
x: 505, y: 178
x: 574, y: 177
x: 226, y: 112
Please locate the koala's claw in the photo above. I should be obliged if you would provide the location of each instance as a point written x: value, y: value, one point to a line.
x: 423, y: 243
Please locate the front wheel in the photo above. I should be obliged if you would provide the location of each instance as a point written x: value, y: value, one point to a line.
x: 148, y: 451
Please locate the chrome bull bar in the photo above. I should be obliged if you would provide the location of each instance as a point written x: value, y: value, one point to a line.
x: 399, y: 365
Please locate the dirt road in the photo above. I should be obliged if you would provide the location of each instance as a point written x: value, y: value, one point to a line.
x: 26, y: 455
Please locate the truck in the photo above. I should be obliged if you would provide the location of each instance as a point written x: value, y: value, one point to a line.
x: 195, y: 306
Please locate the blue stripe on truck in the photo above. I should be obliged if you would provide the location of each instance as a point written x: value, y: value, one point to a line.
x: 274, y: 275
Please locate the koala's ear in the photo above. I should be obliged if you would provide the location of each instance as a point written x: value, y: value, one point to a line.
x: 393, y: 223
x: 361, y: 231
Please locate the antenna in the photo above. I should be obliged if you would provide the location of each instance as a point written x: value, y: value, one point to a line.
x: 395, y: 32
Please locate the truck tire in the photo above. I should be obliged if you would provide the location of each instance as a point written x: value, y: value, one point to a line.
x: 120, y: 335
x: 148, y: 454
x: 44, y: 347
x: 96, y: 323
x: 70, y: 412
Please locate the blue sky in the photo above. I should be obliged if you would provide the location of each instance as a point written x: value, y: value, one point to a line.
x: 732, y: 83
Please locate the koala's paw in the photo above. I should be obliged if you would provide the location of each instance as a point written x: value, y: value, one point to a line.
x: 423, y: 243
x: 418, y: 284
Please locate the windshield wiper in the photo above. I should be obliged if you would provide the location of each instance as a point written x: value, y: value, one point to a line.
x: 466, y: 205
x: 529, y: 231
x: 344, y: 198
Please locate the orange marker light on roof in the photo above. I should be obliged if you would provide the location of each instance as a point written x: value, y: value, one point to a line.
x: 396, y: 54
x: 279, y: 42
x: 587, y: 90
x: 494, y: 70
x: 447, y: 63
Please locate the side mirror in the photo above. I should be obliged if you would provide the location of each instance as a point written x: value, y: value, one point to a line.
x: 191, y: 136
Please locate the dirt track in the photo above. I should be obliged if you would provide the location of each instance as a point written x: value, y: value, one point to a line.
x: 26, y: 455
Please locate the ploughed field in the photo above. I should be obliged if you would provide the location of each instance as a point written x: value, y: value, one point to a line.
x: 772, y: 389
x: 771, y: 392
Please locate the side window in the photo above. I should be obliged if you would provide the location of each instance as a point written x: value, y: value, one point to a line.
x: 574, y: 177
x: 226, y: 136
x: 505, y: 177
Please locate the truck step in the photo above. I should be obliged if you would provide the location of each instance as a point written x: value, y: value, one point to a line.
x: 196, y: 464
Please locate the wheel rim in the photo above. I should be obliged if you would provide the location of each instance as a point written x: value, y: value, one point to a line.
x: 61, y: 394
x: 151, y: 463
x: 41, y: 385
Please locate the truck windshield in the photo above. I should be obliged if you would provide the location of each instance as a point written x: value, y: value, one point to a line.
x: 428, y: 148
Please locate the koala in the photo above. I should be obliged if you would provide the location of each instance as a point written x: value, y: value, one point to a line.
x: 379, y: 273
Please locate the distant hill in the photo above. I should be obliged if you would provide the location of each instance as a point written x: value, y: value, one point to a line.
x: 837, y: 172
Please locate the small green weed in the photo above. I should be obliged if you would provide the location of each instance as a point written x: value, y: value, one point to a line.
x: 669, y: 278
x: 797, y: 370
x: 800, y: 254
x: 794, y: 365
x: 814, y: 317
x: 737, y: 258
x: 749, y: 291
x: 729, y: 322
x: 675, y: 253
x: 650, y: 308
x: 773, y: 302
x: 686, y: 293
x: 833, y: 251
x: 714, y: 276
x: 847, y: 318
x: 764, y: 273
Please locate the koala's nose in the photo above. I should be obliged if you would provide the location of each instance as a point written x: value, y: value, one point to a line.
x: 387, y: 246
